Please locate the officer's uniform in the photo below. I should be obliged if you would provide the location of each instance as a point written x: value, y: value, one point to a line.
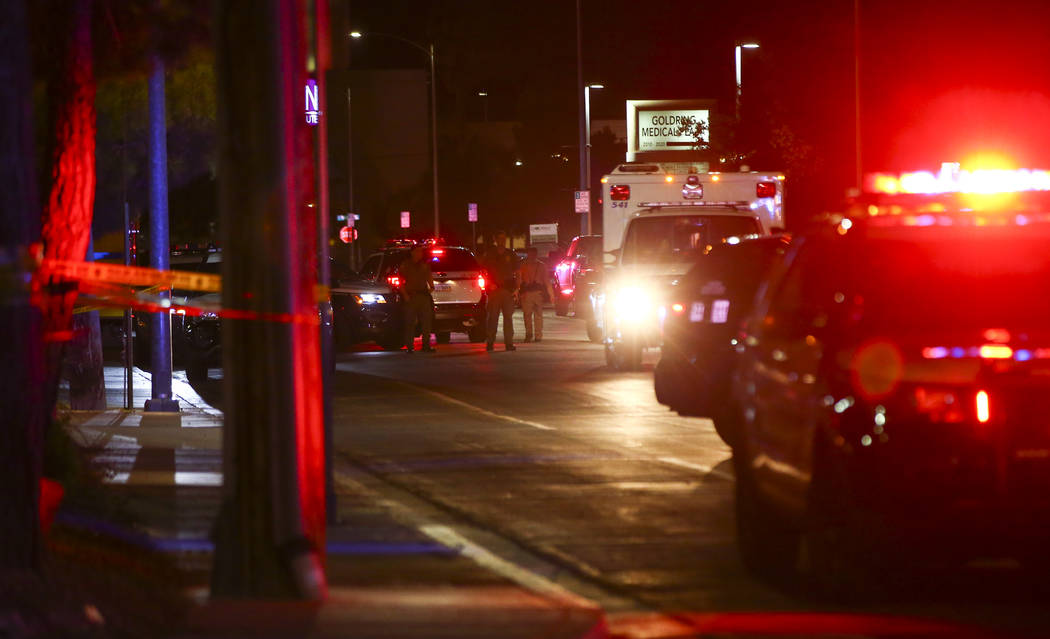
x: 417, y: 283
x: 502, y: 270
x: 534, y: 283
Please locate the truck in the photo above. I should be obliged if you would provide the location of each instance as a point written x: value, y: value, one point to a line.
x: 657, y: 219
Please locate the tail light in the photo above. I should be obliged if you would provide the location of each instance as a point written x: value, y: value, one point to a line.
x: 766, y: 189
x: 620, y: 192
x: 983, y: 409
x: 437, y: 251
x: 393, y: 280
x: 481, y: 282
x: 566, y: 292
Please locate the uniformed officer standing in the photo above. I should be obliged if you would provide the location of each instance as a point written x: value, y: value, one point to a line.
x: 535, y: 281
x: 417, y: 282
x: 501, y: 268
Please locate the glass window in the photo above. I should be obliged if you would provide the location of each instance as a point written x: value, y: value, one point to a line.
x: 451, y: 259
x: 371, y: 267
x: 681, y: 238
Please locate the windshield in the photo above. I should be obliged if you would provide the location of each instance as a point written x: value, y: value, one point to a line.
x: 451, y: 259
x: 683, y: 238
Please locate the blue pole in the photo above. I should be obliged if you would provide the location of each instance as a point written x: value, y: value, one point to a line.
x: 160, y: 348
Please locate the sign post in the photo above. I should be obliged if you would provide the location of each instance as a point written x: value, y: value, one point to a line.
x: 472, y: 217
x: 406, y: 218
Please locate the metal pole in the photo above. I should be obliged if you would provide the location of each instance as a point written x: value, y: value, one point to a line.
x: 350, y: 170
x: 129, y: 342
x: 434, y: 140
x: 738, y: 87
x: 161, y: 398
x: 587, y: 136
x: 581, y: 98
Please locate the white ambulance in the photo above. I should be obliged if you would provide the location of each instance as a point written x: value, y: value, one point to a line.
x: 657, y: 219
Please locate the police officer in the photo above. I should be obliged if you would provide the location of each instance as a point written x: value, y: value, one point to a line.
x: 417, y: 283
x: 535, y: 282
x: 501, y: 267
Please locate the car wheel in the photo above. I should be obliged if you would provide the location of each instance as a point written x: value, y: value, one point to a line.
x: 444, y: 337
x: 196, y: 369
x: 833, y: 557
x: 664, y: 384
x: 594, y: 332
x: 623, y: 356
x: 476, y: 334
x: 561, y: 307
x: 766, y: 545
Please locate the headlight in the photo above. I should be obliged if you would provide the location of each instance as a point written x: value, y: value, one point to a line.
x: 632, y: 304
x: 369, y: 298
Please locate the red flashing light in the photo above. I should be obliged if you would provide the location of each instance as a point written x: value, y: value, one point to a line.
x: 437, y: 251
x: 983, y: 409
x: 766, y: 189
x: 481, y: 282
x: 620, y: 192
x: 393, y: 280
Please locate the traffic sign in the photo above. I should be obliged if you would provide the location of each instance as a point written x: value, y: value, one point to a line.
x: 347, y: 234
x: 583, y: 201
x: 406, y: 217
x: 472, y: 212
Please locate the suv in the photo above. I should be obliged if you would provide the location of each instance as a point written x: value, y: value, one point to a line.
x: 701, y: 321
x: 459, y: 287
x: 580, y: 269
x: 892, y: 384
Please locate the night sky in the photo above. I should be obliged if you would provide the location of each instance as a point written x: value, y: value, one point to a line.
x: 940, y: 80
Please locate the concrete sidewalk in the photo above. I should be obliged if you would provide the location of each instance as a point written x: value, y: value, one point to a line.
x: 387, y: 577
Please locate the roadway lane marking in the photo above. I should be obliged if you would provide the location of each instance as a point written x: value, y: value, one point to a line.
x: 703, y: 468
x: 486, y: 559
x: 477, y: 409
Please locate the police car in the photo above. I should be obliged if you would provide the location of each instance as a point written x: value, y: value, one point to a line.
x: 894, y: 384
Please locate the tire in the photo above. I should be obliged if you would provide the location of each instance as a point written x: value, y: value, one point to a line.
x: 594, y: 332
x: 561, y: 307
x: 476, y: 334
x: 665, y: 386
x: 623, y: 356
x: 767, y: 546
x: 443, y: 337
x: 196, y: 370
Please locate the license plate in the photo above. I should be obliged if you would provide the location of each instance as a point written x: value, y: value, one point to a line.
x: 696, y: 312
x: 442, y: 286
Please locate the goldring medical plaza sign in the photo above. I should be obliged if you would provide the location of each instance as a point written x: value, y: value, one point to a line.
x: 666, y: 125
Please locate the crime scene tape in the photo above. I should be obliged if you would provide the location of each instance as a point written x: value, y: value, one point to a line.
x: 104, y: 285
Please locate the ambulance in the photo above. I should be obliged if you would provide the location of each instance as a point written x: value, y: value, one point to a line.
x: 657, y: 219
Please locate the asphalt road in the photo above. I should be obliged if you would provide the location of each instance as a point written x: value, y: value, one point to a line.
x: 570, y: 471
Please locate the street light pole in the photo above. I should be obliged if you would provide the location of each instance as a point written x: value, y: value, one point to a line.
x: 587, y: 137
x: 743, y: 45
x: 585, y: 228
x: 429, y: 51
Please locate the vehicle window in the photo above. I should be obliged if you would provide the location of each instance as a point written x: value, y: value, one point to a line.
x: 371, y: 267
x: 681, y: 238
x: 391, y: 261
x: 590, y: 248
x: 452, y: 260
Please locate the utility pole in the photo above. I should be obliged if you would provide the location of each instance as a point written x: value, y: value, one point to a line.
x: 580, y: 89
x: 270, y: 535
x: 161, y: 398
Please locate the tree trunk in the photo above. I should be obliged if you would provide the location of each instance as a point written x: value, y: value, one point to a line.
x: 83, y: 364
x: 70, y: 203
x: 23, y: 413
x: 270, y: 534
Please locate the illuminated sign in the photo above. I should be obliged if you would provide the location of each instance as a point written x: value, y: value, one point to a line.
x: 313, y: 112
x: 672, y: 130
x: 662, y: 126
x: 953, y: 179
x: 406, y: 219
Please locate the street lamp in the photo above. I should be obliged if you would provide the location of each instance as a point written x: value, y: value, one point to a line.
x: 586, y: 155
x: 739, y: 46
x: 484, y: 95
x: 429, y: 52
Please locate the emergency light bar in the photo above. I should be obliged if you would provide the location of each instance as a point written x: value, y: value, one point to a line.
x: 724, y: 205
x: 952, y: 179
